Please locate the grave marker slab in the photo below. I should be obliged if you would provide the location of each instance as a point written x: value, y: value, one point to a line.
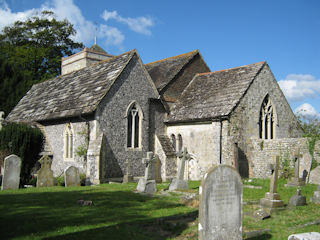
x: 298, y: 199
x: 127, y: 177
x: 11, y: 174
x: 45, y: 174
x: 315, y: 176
x: 148, y: 183
x: 71, y: 177
x: 220, y: 211
x: 179, y: 182
x: 296, y: 181
x: 316, y: 196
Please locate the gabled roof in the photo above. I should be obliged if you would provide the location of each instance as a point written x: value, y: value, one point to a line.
x: 163, y: 71
x: 215, y: 94
x: 79, y: 92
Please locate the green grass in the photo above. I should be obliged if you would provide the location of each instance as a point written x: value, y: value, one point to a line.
x: 119, y: 213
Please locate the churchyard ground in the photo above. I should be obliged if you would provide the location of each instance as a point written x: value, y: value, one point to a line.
x: 119, y: 213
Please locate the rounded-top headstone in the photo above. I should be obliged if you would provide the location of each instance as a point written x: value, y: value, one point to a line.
x: 11, y: 174
x: 220, y: 211
x: 72, y: 177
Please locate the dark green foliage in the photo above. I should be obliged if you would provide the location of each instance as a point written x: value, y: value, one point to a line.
x: 59, y: 181
x: 30, y: 53
x: 23, y: 141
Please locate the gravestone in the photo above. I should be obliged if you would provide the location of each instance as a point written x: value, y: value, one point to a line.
x: 1, y: 119
x: 71, y: 177
x: 11, y: 174
x: 315, y: 176
x: 305, y: 236
x: 158, y: 170
x: 316, y: 152
x: 220, y: 210
x: 296, y: 181
x: 127, y: 177
x: 298, y: 199
x: 148, y: 183
x: 272, y: 199
x: 45, y: 174
x: 316, y: 196
x: 179, y: 182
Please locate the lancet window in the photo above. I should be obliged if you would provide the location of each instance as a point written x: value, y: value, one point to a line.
x: 68, y: 142
x: 267, y: 120
x: 134, y: 118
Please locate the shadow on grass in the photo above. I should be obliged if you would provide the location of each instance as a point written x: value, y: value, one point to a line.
x: 261, y: 237
x: 56, y: 214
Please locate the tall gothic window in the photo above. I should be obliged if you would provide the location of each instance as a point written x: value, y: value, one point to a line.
x: 180, y: 143
x: 134, y: 116
x: 174, y: 143
x: 267, y: 120
x: 68, y: 142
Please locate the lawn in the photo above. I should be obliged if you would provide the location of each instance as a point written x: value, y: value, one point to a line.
x: 119, y: 213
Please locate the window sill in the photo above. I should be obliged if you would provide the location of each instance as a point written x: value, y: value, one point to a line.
x: 139, y: 149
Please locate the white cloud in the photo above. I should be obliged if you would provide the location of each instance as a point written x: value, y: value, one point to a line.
x: 297, y: 87
x: 139, y: 24
x: 307, y: 110
x: 111, y: 36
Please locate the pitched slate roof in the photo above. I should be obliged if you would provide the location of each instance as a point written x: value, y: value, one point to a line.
x: 72, y: 94
x: 163, y: 71
x: 213, y: 95
x: 166, y: 145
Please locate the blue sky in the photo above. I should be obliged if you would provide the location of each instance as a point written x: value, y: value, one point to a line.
x: 229, y: 33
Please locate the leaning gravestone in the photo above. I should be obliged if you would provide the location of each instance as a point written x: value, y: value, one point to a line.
x: 315, y: 176
x: 148, y: 183
x: 179, y: 182
x: 11, y: 174
x: 220, y: 211
x: 71, y: 177
x: 45, y: 174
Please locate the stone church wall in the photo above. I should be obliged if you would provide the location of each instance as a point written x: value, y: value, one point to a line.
x: 132, y: 85
x: 262, y: 151
x: 55, y: 135
x: 202, y: 140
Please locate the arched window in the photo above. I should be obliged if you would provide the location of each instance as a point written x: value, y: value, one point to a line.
x: 180, y: 143
x: 134, y: 118
x: 68, y: 142
x: 267, y: 119
x: 174, y: 143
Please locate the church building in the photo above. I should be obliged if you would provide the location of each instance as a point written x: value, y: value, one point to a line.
x: 105, y: 112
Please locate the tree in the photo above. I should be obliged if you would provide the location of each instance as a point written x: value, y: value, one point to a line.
x: 33, y: 50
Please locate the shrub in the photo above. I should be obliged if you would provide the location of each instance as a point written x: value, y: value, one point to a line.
x: 82, y: 179
x: 24, y: 141
x: 59, y: 181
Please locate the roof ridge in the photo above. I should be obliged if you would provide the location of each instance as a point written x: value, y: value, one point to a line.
x: 227, y: 69
x: 173, y: 57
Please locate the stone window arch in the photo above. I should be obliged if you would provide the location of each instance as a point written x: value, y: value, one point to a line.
x: 68, y: 142
x: 174, y: 142
x: 134, y: 125
x: 267, y: 119
x: 180, y: 143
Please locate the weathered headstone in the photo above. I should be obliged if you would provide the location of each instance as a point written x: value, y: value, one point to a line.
x: 45, y: 174
x: 305, y: 236
x: 220, y: 211
x: 296, y: 181
x: 71, y: 177
x: 316, y: 196
x: 158, y: 170
x: 316, y: 152
x: 148, y: 183
x: 1, y: 119
x: 11, y: 174
x: 298, y: 199
x: 127, y: 177
x: 272, y: 199
x: 315, y: 176
x: 179, y: 182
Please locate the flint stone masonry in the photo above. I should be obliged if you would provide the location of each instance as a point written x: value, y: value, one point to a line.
x: 72, y: 177
x: 45, y: 174
x: 11, y: 174
x: 220, y: 211
x: 261, y: 152
x: 315, y: 176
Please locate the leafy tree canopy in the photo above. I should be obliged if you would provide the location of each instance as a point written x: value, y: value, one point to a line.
x: 31, y: 52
